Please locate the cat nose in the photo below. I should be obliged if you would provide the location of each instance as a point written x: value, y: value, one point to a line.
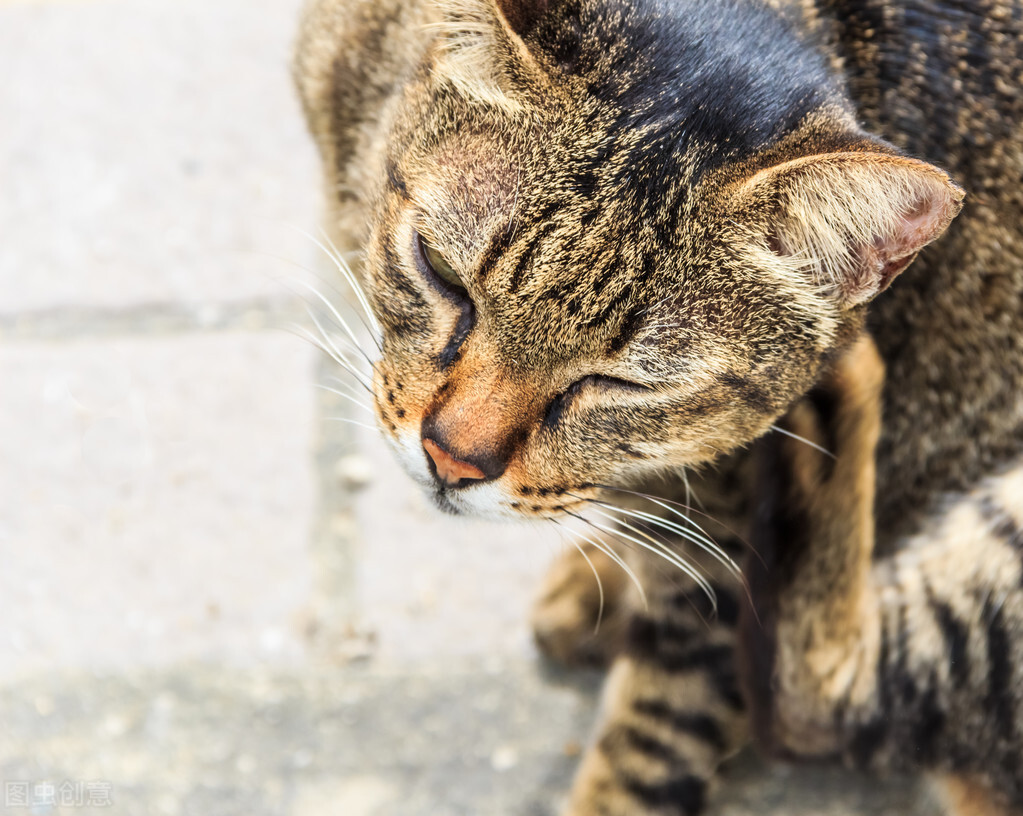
x: 449, y: 470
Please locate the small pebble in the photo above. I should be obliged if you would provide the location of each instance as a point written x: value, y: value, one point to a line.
x: 354, y: 472
x: 43, y: 705
x: 504, y: 758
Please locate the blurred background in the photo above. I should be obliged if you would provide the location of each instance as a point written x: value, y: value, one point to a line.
x: 215, y: 598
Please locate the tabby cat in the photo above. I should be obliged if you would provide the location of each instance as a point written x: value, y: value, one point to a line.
x: 610, y: 244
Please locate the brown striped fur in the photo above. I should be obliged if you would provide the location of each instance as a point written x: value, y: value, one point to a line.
x: 672, y: 219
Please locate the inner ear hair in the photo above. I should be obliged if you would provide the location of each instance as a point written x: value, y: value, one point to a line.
x: 853, y: 220
x: 479, y: 42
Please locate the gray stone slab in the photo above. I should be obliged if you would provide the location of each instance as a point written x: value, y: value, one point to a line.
x: 456, y: 738
x: 156, y: 497
x: 151, y: 150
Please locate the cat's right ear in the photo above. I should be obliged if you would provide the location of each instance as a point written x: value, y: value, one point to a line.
x: 852, y: 221
x: 483, y: 49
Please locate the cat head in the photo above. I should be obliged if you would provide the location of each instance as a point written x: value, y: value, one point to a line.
x: 613, y: 238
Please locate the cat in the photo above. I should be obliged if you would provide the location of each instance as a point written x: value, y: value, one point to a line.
x: 612, y: 245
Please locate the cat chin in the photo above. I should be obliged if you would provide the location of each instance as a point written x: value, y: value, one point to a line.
x: 487, y: 501
x: 444, y: 504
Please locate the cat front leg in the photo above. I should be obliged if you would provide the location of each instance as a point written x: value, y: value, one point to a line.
x: 909, y: 662
x: 672, y: 710
x: 816, y: 603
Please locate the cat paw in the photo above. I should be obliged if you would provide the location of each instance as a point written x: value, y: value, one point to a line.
x: 569, y: 625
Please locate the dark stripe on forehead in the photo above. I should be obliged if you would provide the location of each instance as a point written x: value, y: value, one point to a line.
x: 610, y: 307
x: 498, y: 246
x: 626, y: 331
x: 519, y: 273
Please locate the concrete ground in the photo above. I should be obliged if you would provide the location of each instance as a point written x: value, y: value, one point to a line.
x: 214, y: 598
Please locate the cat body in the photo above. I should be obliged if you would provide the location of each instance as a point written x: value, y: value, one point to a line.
x: 606, y: 241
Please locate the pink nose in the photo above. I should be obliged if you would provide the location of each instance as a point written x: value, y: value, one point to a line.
x: 449, y: 469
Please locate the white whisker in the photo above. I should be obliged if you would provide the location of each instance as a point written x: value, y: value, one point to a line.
x: 349, y: 276
x: 804, y: 440
x: 299, y: 331
x: 353, y: 422
x: 658, y: 548
x: 342, y: 384
x: 330, y: 341
x: 704, y: 542
x: 337, y: 315
x: 346, y: 273
x: 608, y: 550
x: 668, y: 505
x: 343, y: 395
x: 700, y: 536
x: 689, y: 490
x: 600, y: 584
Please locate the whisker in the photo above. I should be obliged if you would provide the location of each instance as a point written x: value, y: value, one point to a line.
x: 337, y: 316
x: 608, y: 550
x: 346, y: 273
x: 664, y: 503
x: 371, y: 331
x: 349, y: 276
x: 342, y: 384
x: 664, y: 552
x: 346, y: 344
x: 804, y: 440
x: 301, y: 332
x: 701, y: 536
x: 343, y: 395
x: 596, y: 575
x: 353, y: 422
x: 341, y: 361
x: 703, y: 542
x: 330, y: 341
x: 690, y: 495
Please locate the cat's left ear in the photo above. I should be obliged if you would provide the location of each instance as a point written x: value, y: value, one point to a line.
x: 483, y: 47
x: 853, y: 221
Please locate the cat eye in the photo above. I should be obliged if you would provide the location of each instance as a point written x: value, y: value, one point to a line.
x: 441, y: 269
x: 560, y: 403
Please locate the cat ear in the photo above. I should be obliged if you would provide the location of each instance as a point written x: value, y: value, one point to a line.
x: 854, y: 220
x: 482, y: 46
